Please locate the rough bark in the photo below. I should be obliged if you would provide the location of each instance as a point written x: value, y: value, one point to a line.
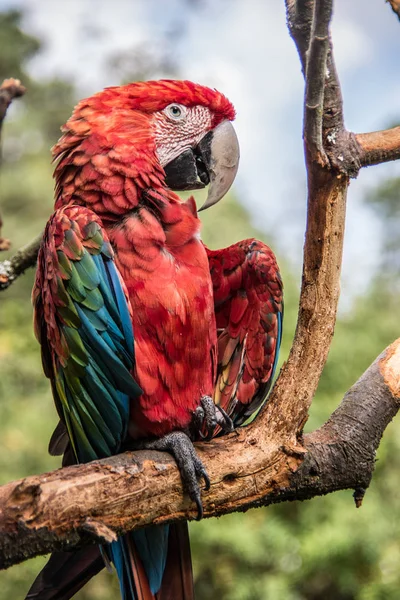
x: 15, y: 266
x: 269, y: 461
x: 379, y: 146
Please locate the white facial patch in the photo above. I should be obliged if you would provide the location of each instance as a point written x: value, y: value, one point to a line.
x: 173, y: 137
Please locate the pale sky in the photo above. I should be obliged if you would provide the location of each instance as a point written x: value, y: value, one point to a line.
x: 243, y: 49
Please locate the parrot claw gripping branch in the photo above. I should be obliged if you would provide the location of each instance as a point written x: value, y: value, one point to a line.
x: 139, y: 324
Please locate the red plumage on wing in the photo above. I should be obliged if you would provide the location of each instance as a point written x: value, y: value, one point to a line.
x: 249, y: 308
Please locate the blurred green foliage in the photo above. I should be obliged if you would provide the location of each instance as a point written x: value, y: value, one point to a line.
x: 385, y: 200
x: 322, y: 549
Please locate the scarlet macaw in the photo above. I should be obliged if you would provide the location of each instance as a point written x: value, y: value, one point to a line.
x: 139, y: 323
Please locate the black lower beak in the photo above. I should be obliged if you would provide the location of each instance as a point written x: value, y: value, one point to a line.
x: 189, y: 170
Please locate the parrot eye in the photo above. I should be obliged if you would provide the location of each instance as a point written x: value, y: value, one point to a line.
x: 177, y: 112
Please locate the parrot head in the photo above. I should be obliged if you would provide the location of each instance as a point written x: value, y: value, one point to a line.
x: 162, y: 134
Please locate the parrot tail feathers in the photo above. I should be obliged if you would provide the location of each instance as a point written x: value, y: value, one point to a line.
x: 122, y: 558
x: 155, y: 563
x: 152, y: 564
x: 177, y: 583
x: 139, y: 558
x: 65, y: 573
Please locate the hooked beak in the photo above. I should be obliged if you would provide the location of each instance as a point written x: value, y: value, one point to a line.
x: 213, y: 161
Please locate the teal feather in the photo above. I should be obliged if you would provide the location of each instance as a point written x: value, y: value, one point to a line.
x: 107, y: 250
x: 103, y: 434
x: 97, y: 318
x: 153, y: 544
x: 73, y: 376
x: 120, y: 400
x: 74, y: 285
x: 120, y: 557
x: 87, y: 271
x: 67, y: 310
x: 75, y: 345
x: 106, y: 288
x: 93, y: 300
x: 122, y: 305
x: 96, y: 440
x: 115, y: 370
x: 96, y: 389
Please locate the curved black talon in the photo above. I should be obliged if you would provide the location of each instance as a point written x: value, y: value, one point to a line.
x: 196, y: 425
x: 189, y: 464
x: 211, y: 415
x: 226, y: 424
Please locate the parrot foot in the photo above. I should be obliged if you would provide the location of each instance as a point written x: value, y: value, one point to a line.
x: 212, y: 415
x: 189, y: 464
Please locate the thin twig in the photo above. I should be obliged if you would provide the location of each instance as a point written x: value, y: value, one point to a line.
x: 299, y: 19
x: 9, y: 89
x: 316, y: 73
x: 15, y: 266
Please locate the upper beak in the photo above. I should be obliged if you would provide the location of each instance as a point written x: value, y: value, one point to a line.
x: 215, y: 160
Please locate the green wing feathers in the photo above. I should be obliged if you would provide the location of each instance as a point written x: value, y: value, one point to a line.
x: 83, y: 323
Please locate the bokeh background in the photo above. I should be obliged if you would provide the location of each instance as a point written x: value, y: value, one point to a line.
x: 323, y: 549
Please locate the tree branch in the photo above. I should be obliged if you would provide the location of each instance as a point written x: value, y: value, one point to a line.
x: 91, y: 503
x: 9, y: 89
x: 395, y: 4
x: 379, y: 146
x: 16, y: 265
x: 316, y: 72
x: 299, y: 16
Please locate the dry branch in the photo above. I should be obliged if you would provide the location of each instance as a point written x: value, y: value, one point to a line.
x: 15, y: 266
x: 90, y: 503
x: 379, y: 146
x: 269, y: 461
x: 316, y: 72
x: 299, y: 20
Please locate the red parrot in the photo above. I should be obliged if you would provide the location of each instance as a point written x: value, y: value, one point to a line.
x: 150, y: 339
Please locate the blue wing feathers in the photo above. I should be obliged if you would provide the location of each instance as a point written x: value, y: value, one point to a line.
x: 117, y: 372
x: 122, y: 306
